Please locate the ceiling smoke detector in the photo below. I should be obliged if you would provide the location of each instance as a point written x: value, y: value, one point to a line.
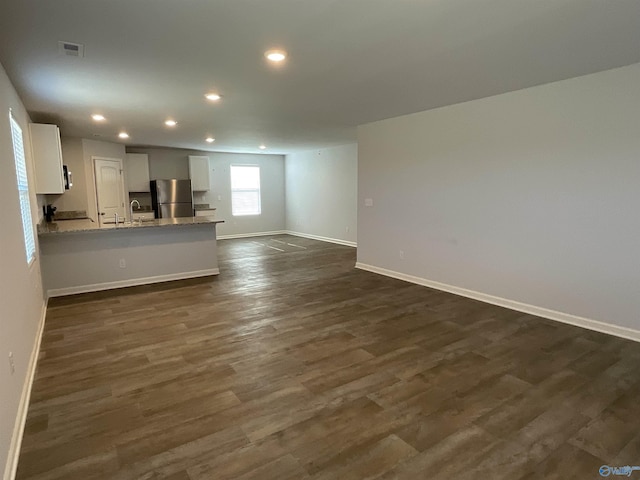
x: 71, y: 49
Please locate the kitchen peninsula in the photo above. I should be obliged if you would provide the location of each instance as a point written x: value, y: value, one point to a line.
x: 79, y: 256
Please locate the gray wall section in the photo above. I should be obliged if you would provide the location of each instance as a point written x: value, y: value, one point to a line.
x: 173, y: 163
x: 321, y: 191
x: 166, y: 163
x: 272, y: 189
x: 76, y: 260
x: 530, y: 196
x: 21, y: 298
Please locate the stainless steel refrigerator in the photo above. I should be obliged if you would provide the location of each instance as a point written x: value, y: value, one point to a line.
x: 171, y: 198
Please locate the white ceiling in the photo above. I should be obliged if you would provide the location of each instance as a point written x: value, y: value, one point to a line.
x: 351, y: 62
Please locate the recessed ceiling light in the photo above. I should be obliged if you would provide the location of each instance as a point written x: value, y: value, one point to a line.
x: 210, y: 140
x: 214, y: 97
x: 97, y: 117
x: 262, y: 147
x: 170, y: 123
x: 123, y: 135
x: 276, y: 56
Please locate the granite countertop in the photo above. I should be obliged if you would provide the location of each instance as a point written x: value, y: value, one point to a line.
x: 86, y: 225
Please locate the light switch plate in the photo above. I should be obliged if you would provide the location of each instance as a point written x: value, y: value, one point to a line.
x: 368, y: 202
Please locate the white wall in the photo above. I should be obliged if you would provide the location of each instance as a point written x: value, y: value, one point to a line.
x: 531, y: 196
x: 174, y: 163
x: 321, y: 193
x: 21, y: 299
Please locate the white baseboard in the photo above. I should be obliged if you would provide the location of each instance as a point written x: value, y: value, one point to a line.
x: 97, y: 287
x: 583, y: 322
x: 21, y: 419
x: 323, y: 239
x: 247, y: 235
x: 288, y: 232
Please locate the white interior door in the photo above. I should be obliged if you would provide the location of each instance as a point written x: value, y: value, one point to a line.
x: 109, y: 189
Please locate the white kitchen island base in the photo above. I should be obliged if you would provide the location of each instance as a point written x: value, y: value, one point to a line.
x: 89, y: 260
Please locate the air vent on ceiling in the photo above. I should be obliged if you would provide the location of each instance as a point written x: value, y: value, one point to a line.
x: 71, y: 49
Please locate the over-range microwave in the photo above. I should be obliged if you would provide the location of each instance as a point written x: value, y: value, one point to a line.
x: 68, y: 178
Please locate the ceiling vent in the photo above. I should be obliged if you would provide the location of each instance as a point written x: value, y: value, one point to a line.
x: 71, y: 49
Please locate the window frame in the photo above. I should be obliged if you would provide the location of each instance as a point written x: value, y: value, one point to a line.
x: 22, y: 184
x: 248, y: 190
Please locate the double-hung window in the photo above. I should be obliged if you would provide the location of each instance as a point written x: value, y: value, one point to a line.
x: 245, y: 190
x: 23, y: 189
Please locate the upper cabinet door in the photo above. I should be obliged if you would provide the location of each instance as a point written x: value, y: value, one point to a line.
x: 47, y: 158
x: 199, y: 173
x: 137, y: 170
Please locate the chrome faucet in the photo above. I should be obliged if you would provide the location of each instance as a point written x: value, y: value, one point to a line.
x: 131, y: 209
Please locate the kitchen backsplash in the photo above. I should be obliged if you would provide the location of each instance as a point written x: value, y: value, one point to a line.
x: 144, y: 198
x: 70, y: 214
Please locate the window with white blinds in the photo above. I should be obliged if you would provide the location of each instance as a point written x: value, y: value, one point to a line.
x: 23, y: 190
x: 245, y: 190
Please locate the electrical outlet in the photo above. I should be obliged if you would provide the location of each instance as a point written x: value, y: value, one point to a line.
x: 347, y: 229
x: 401, y: 254
x: 123, y: 263
x: 368, y: 202
x: 12, y: 365
x: 219, y: 198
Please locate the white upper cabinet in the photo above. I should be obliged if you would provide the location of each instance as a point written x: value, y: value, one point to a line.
x: 199, y: 173
x: 47, y: 158
x: 137, y: 169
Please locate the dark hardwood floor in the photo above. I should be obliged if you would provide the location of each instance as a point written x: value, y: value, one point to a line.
x: 292, y: 364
